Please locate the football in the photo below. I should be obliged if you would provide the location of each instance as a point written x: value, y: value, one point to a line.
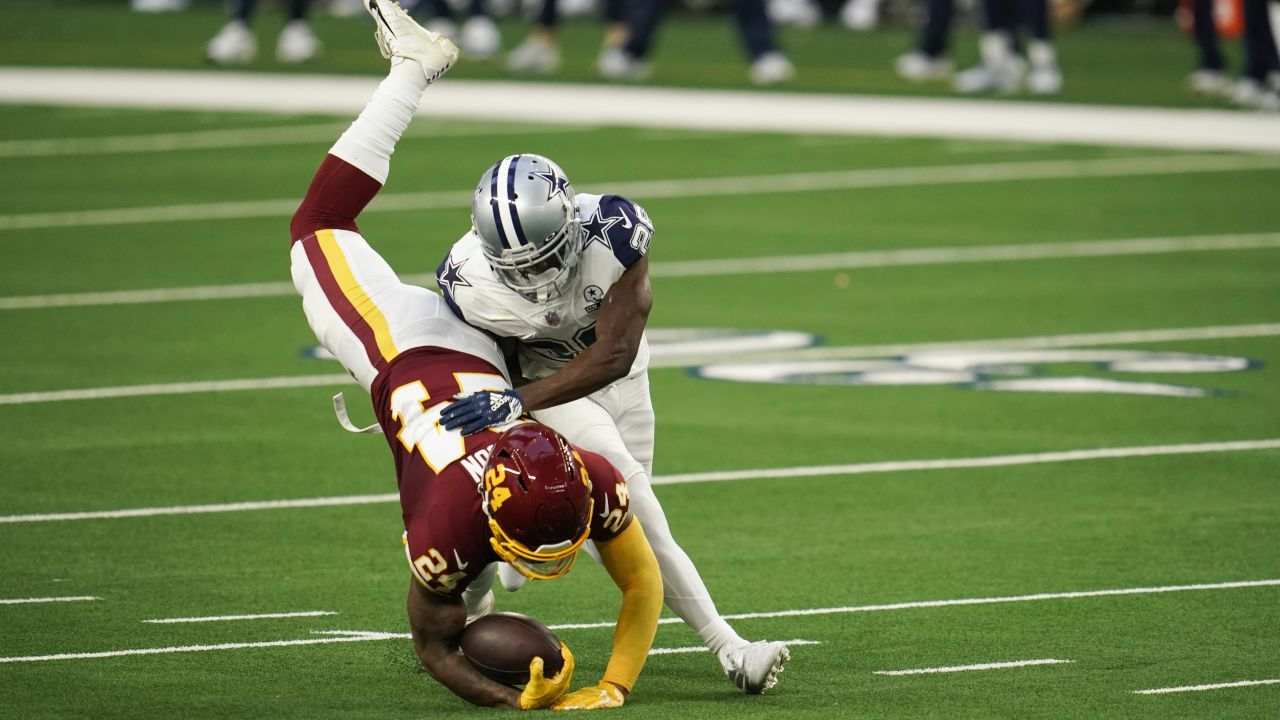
x: 501, y: 645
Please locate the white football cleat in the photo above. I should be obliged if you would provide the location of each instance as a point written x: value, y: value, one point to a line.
x: 616, y: 64
x: 1044, y: 79
x: 1005, y: 78
x: 917, y: 66
x: 1208, y: 82
x: 534, y: 55
x: 860, y: 14
x: 797, y: 13
x: 511, y: 579
x: 297, y: 43
x: 233, y: 45
x: 754, y: 668
x: 400, y: 36
x: 771, y: 68
x: 480, y: 37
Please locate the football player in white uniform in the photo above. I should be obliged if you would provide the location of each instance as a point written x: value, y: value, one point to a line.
x: 562, y: 279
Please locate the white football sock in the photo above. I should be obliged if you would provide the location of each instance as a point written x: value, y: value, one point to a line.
x: 371, y: 139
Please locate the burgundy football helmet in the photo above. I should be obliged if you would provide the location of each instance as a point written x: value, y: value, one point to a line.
x: 537, y: 496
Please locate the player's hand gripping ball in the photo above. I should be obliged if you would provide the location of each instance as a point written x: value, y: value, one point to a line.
x: 516, y: 649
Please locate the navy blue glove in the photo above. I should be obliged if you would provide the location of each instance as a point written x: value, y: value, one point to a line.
x: 477, y: 411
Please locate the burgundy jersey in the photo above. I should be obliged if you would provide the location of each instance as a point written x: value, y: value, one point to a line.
x: 440, y: 473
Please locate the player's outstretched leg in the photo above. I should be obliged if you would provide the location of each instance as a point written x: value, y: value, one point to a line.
x: 401, y: 38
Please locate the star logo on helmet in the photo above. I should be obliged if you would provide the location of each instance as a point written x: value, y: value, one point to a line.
x: 557, y: 184
x: 450, y: 277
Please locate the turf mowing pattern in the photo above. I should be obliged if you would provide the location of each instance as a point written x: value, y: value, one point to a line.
x: 766, y: 545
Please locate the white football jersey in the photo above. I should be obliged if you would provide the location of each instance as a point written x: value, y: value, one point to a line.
x: 617, y: 234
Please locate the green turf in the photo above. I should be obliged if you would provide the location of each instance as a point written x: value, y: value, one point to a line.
x: 762, y: 545
x: 1142, y: 61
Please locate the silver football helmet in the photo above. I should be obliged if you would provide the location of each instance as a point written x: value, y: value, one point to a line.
x: 526, y: 215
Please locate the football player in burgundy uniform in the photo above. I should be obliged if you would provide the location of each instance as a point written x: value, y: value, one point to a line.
x: 518, y: 492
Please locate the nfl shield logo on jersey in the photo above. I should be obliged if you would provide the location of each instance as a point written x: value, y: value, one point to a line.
x: 553, y: 318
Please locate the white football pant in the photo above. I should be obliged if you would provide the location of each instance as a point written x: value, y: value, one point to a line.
x: 617, y: 422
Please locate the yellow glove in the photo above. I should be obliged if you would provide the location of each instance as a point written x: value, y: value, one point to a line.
x: 595, y: 697
x: 540, y: 691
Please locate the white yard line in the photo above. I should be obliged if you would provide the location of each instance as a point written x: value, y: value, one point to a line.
x: 1201, y: 688
x: 1124, y: 337
x: 208, y: 386
x: 961, y: 602
x: 966, y: 463
x: 980, y: 666
x: 340, y: 500
x: 365, y: 636
x: 228, y: 618
x: 684, y: 187
x: 655, y: 107
x: 728, y: 266
x: 718, y: 476
x: 187, y: 649
x: 34, y: 600
x: 239, y: 138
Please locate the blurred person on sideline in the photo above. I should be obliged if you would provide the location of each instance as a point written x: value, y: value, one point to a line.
x: 929, y: 60
x: 1259, y: 84
x: 236, y: 45
x: 630, y: 61
x: 1002, y: 69
x: 540, y: 51
x: 478, y: 36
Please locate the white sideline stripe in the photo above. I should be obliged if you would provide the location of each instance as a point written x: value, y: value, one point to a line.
x: 980, y: 666
x: 727, y: 266
x: 703, y: 648
x: 694, y: 109
x: 187, y: 649
x: 236, y: 138
x: 1125, y: 337
x: 226, y: 618
x: 31, y: 601
x: 719, y: 476
x: 1200, y: 688
x: 960, y: 602
x: 684, y: 187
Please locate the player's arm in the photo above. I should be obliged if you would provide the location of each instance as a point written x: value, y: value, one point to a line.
x: 619, y: 328
x: 437, y: 623
x: 633, y: 567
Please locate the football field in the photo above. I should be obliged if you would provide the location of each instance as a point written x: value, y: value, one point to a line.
x: 986, y: 429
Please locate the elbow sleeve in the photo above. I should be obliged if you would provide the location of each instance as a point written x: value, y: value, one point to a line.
x: 633, y: 567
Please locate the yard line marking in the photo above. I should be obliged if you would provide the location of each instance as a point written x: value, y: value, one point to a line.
x: 980, y: 666
x: 1041, y: 342
x: 960, y: 602
x: 188, y: 649
x: 1200, y: 688
x: 727, y: 266
x: 336, y: 501
x: 30, y: 601
x: 967, y: 463
x: 237, y: 138
x: 1124, y: 337
x: 296, y: 381
x: 225, y: 618
x: 715, y: 476
x: 684, y: 187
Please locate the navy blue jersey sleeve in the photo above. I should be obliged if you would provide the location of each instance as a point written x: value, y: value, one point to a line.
x: 622, y: 226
